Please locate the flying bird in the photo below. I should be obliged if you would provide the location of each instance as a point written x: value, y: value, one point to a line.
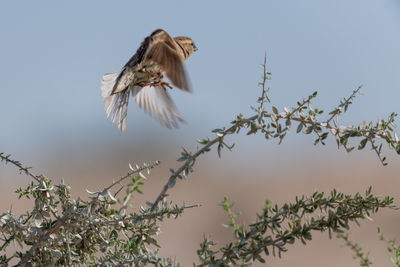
x: 142, y: 76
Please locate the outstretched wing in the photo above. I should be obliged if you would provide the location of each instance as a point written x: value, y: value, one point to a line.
x: 164, y: 51
x: 157, y: 102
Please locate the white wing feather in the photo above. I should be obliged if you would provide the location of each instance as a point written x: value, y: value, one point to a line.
x: 107, y: 83
x: 156, y: 101
x: 116, y: 105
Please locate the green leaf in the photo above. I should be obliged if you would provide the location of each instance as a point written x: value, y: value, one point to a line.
x: 362, y: 144
x: 308, y: 130
x: 288, y: 123
x: 171, y: 182
x: 299, y: 128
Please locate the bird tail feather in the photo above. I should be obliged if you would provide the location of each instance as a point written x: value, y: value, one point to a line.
x: 116, y: 105
x: 107, y: 83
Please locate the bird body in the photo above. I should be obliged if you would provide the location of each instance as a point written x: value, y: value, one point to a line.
x: 143, y: 75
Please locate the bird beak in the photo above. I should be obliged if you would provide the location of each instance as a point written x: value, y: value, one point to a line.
x: 195, y: 47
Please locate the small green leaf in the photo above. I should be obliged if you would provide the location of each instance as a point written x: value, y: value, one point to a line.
x: 299, y: 128
x: 308, y: 130
x: 362, y: 144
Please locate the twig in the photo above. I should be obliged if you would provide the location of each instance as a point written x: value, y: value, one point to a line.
x: 193, y: 157
x: 358, y: 251
x: 60, y: 222
x: 346, y: 102
x: 19, y: 165
x: 263, y: 83
x: 130, y: 174
x: 136, y: 218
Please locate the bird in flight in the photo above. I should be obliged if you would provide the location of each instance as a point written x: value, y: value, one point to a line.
x: 142, y: 76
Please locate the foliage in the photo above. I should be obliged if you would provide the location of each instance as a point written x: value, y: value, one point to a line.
x: 101, y: 229
x: 392, y: 248
x: 276, y: 227
x: 275, y: 125
x: 358, y: 251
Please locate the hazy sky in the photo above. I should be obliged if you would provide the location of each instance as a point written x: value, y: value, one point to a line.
x: 53, y: 54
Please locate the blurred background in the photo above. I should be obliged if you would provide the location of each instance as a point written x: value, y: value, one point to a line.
x: 53, y: 55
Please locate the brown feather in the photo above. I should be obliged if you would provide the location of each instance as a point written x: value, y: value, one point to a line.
x: 164, y: 51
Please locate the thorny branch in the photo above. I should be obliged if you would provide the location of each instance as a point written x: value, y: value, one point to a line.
x: 132, y: 172
x: 7, y: 159
x: 308, y: 120
x: 392, y: 247
x: 358, y: 251
x: 277, y: 227
x: 343, y: 105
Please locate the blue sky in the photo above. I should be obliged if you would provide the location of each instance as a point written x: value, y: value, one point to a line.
x: 54, y: 54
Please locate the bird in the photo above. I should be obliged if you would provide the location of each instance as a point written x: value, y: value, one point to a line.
x: 142, y: 76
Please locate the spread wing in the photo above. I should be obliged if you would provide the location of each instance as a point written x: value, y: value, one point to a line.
x: 164, y: 51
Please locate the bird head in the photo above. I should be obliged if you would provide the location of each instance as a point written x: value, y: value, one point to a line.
x: 187, y: 44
